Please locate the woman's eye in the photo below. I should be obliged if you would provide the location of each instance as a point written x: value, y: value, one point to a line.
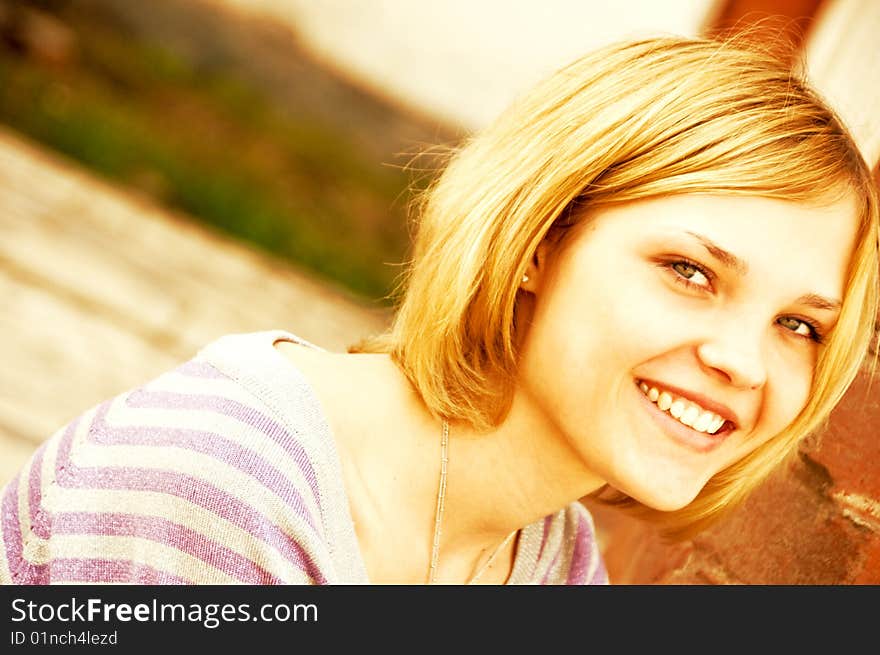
x: 693, y: 274
x: 801, y: 328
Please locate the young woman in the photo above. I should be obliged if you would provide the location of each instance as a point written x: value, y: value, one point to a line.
x: 647, y: 280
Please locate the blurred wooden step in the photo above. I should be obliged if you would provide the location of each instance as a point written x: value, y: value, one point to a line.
x: 103, y: 290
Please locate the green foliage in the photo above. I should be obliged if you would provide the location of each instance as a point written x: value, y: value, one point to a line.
x: 209, y: 144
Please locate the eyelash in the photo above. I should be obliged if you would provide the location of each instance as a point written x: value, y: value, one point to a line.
x: 816, y: 333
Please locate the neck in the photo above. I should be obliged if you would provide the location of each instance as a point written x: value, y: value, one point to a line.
x: 509, y: 477
x: 497, y: 481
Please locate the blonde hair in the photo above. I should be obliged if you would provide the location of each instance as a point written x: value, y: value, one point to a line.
x: 629, y: 121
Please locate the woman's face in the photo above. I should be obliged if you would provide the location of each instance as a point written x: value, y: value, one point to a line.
x: 682, y: 309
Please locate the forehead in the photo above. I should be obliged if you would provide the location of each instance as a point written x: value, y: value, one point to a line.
x: 806, y: 243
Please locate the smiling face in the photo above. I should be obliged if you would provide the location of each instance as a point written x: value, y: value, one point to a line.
x: 692, y: 308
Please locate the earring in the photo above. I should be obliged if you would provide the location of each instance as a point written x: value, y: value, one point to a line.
x: 525, y: 278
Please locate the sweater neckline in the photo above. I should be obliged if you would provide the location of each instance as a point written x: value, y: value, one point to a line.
x: 284, y: 380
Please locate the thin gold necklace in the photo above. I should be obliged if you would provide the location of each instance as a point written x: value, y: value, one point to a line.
x: 438, y: 518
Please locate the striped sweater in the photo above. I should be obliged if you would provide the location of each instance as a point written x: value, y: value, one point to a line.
x: 220, y: 471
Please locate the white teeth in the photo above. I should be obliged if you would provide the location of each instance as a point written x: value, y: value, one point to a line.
x: 703, y: 421
x: 664, y: 401
x: 690, y: 415
x: 677, y: 408
x: 685, y: 411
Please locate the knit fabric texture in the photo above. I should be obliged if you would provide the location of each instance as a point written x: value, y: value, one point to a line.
x: 221, y: 471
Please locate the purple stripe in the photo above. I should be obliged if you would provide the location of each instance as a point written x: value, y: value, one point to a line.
x: 207, y: 443
x: 39, y: 519
x: 226, y: 406
x: 580, y: 559
x: 197, y: 369
x: 22, y: 571
x: 111, y: 570
x: 194, y: 490
x: 170, y: 534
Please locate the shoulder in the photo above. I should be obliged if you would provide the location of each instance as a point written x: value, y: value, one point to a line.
x: 562, y: 548
x: 216, y: 471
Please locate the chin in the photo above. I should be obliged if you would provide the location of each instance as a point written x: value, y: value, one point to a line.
x: 666, y: 500
x: 670, y: 505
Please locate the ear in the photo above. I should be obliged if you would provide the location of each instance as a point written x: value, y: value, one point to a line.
x: 537, y: 267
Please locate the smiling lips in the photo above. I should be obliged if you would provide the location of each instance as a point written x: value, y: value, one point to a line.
x: 685, y: 411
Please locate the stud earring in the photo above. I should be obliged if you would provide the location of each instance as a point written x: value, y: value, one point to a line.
x: 525, y: 279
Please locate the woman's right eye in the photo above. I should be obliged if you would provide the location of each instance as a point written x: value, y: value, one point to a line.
x: 690, y: 274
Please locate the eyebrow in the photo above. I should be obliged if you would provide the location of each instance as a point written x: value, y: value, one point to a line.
x: 741, y: 267
x: 819, y: 302
x: 725, y: 257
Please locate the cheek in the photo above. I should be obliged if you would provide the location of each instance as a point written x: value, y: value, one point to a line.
x: 591, y: 325
x: 791, y: 369
x: 790, y: 393
x: 642, y: 320
x: 611, y: 324
x: 786, y: 394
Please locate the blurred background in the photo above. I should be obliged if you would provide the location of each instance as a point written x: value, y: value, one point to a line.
x: 177, y: 170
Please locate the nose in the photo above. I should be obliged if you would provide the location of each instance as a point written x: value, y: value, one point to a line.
x: 736, y: 357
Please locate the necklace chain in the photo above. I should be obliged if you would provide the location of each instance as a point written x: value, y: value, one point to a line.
x: 438, y: 517
x: 441, y: 501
